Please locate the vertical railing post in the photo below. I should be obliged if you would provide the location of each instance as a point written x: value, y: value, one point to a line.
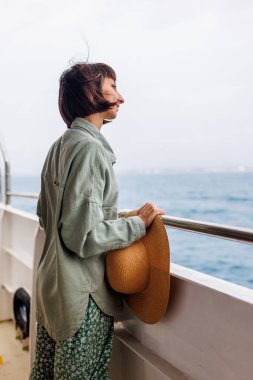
x: 1, y: 194
x: 7, y: 182
x: 6, y: 175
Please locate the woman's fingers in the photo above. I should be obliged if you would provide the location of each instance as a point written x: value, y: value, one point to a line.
x: 150, y: 206
x: 144, y: 207
x: 148, y: 212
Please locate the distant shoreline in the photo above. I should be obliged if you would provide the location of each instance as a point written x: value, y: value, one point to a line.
x: 185, y: 171
x: 154, y: 171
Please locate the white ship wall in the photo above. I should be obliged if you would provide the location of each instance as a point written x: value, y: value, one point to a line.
x: 207, y: 332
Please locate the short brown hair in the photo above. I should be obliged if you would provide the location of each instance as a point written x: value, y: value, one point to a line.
x: 80, y: 92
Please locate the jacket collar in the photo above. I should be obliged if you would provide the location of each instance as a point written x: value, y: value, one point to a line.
x: 86, y: 126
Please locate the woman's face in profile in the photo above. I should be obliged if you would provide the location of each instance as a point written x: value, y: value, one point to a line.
x: 110, y: 93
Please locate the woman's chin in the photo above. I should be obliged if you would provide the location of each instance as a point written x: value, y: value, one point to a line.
x: 110, y: 116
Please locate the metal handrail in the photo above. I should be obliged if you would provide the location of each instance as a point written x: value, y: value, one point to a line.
x: 6, y: 174
x: 239, y: 234
x: 244, y: 235
x: 23, y: 195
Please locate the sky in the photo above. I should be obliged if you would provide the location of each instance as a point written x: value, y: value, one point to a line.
x: 183, y: 67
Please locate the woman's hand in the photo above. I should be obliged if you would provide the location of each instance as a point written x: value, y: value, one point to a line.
x: 148, y: 212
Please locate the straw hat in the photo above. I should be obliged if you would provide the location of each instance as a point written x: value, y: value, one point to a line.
x: 141, y: 272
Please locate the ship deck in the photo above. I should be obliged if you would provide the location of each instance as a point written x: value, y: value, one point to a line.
x: 15, y: 358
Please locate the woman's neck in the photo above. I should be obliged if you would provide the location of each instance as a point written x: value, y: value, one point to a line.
x: 96, y: 119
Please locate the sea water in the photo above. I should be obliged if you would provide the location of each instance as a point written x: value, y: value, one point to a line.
x: 224, y: 198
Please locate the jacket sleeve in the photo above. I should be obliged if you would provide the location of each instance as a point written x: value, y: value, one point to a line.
x: 82, y: 227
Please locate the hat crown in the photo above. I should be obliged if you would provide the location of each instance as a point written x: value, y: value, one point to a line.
x: 128, y: 269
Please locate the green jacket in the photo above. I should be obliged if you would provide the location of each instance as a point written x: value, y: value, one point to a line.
x: 77, y: 208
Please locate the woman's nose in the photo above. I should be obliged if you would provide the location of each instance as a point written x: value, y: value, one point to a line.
x: 120, y: 98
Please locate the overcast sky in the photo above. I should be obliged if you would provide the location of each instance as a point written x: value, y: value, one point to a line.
x: 183, y: 67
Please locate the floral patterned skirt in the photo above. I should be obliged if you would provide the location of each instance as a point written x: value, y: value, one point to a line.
x: 84, y: 356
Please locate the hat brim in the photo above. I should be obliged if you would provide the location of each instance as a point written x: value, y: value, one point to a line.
x: 151, y: 304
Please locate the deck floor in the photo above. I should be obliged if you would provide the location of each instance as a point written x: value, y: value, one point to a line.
x: 15, y: 360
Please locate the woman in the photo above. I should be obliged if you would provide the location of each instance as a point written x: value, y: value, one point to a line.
x: 78, y: 210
